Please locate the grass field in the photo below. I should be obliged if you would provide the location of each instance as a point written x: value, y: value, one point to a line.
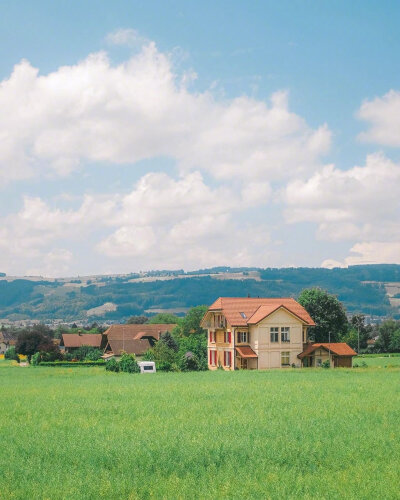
x: 84, y: 433
x: 378, y: 361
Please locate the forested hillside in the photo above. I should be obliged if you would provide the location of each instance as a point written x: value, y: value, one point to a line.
x: 371, y: 290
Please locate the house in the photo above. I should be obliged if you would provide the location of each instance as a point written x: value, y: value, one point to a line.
x: 255, y: 333
x: 72, y: 341
x: 133, y: 339
x: 339, y: 354
x: 6, y: 341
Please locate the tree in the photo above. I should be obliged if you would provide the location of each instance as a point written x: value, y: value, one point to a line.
x: 191, y: 322
x: 169, y: 340
x: 394, y: 345
x: 165, y: 318
x: 358, y: 332
x: 29, y: 342
x: 137, y: 320
x: 387, y: 331
x: 327, y: 312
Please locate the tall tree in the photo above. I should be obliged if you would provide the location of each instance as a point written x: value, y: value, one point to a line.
x: 29, y: 342
x: 165, y: 318
x: 137, y: 320
x: 191, y: 322
x: 327, y: 312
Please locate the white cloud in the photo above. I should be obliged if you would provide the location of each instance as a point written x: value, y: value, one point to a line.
x: 126, y: 36
x: 383, y: 116
x: 96, y: 112
x: 363, y: 202
x: 162, y: 220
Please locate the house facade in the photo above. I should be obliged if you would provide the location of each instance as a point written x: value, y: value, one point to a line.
x: 338, y: 354
x: 255, y: 333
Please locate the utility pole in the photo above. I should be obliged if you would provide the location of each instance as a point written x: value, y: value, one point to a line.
x: 358, y: 332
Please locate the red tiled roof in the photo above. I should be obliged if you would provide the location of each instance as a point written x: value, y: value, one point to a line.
x: 76, y: 340
x: 137, y: 331
x: 256, y: 309
x: 338, y: 348
x: 246, y: 352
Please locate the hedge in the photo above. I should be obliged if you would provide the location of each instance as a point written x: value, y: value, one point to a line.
x: 73, y: 363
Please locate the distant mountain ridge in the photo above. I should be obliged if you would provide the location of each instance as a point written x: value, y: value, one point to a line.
x: 370, y: 289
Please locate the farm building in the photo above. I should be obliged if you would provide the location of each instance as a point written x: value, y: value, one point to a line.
x: 339, y: 354
x: 72, y: 341
x: 133, y: 339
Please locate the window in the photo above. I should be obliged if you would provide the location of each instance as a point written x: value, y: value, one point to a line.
x: 227, y: 358
x: 213, y: 358
x: 285, y: 358
x: 285, y: 334
x: 242, y: 337
x: 227, y: 337
x: 212, y: 337
x: 274, y: 333
x: 219, y: 321
x: 243, y: 315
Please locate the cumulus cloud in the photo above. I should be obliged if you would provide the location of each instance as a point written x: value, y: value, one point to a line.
x: 170, y: 221
x: 97, y: 112
x: 383, y: 116
x: 361, y: 204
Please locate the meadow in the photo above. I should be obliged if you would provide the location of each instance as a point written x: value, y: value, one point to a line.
x: 84, y: 433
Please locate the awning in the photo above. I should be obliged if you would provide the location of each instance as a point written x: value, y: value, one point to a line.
x: 246, y: 352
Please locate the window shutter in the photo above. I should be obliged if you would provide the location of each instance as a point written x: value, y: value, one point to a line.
x: 229, y: 358
x: 210, y: 357
x: 210, y: 337
x: 229, y: 337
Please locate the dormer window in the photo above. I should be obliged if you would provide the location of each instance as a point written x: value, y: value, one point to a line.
x: 243, y: 315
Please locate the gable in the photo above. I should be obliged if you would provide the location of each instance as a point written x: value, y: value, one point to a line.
x: 281, y: 316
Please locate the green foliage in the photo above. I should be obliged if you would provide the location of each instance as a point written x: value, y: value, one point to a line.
x: 326, y: 364
x: 11, y: 353
x: 387, y: 331
x: 328, y: 314
x: 87, y: 352
x: 112, y: 365
x: 168, y: 339
x: 164, y: 318
x: 191, y: 322
x: 137, y: 320
x: 100, y: 362
x: 36, y: 359
x: 128, y: 363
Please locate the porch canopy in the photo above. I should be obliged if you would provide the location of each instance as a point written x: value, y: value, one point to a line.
x: 246, y: 352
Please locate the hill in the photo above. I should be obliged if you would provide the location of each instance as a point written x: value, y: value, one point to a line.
x: 372, y: 290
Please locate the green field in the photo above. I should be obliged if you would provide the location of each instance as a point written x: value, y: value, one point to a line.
x: 382, y: 361
x: 84, y: 433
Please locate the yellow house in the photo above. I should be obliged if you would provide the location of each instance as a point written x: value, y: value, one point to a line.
x: 255, y: 333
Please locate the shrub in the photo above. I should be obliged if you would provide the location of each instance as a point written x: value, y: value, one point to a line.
x: 73, y: 363
x: 164, y: 366
x: 326, y: 364
x: 128, y: 363
x: 36, y: 359
x: 11, y: 353
x: 112, y: 365
x: 87, y: 352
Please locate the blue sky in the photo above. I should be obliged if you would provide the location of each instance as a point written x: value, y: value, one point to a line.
x: 212, y: 133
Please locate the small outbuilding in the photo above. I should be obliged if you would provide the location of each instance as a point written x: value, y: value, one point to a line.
x: 339, y: 355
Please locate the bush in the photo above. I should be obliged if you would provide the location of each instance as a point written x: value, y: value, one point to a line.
x: 73, y: 363
x: 112, y: 365
x: 36, y: 359
x: 164, y: 366
x: 190, y: 362
x: 11, y: 353
x: 326, y: 364
x: 128, y: 363
x: 87, y: 352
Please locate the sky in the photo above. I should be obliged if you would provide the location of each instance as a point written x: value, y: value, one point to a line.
x: 138, y: 135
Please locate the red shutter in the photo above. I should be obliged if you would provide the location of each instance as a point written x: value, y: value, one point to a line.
x: 229, y: 358
x: 210, y: 336
x: 229, y: 337
x: 210, y: 357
